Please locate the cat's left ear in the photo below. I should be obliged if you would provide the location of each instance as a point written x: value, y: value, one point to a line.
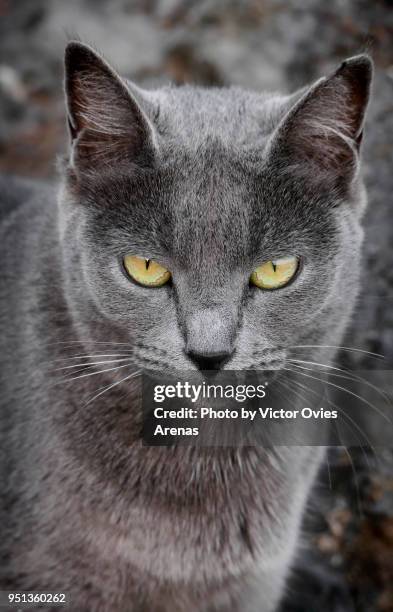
x: 320, y: 136
x: 107, y: 125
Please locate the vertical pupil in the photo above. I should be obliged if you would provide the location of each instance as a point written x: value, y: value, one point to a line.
x: 147, y: 263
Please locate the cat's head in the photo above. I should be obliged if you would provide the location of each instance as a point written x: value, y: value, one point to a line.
x: 212, y: 227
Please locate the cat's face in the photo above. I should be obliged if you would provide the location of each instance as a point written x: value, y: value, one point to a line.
x: 211, y: 185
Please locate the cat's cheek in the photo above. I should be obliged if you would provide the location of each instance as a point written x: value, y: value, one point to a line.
x: 290, y: 312
x: 117, y: 298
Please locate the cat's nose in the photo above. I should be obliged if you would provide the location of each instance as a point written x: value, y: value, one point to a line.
x: 209, y: 361
x: 210, y: 337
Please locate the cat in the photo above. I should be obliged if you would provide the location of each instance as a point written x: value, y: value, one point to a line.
x: 209, y: 183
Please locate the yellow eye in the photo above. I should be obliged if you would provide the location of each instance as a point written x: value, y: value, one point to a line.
x: 275, y: 273
x: 146, y: 271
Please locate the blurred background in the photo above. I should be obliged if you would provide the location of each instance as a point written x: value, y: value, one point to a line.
x: 346, y: 562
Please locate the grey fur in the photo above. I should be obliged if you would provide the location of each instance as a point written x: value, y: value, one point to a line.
x: 210, y: 183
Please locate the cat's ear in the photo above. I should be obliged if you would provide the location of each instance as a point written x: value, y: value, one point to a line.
x: 106, y: 123
x: 321, y: 135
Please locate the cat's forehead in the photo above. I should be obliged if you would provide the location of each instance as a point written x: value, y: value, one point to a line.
x: 225, y: 214
x: 233, y: 115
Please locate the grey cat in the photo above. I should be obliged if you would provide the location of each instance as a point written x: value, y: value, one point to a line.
x: 210, y: 183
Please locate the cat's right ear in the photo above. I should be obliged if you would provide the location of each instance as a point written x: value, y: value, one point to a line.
x: 107, y: 125
x: 320, y: 137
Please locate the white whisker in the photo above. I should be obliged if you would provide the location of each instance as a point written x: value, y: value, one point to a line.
x: 349, y: 376
x: 95, y: 373
x: 111, y: 386
x: 94, y: 356
x: 290, y: 389
x: 355, y: 480
x: 328, y: 470
x: 343, y: 348
x: 90, y: 364
x: 72, y: 342
x: 328, y: 382
x: 343, y: 413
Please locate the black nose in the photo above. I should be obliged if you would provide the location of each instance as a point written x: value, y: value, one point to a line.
x: 209, y: 361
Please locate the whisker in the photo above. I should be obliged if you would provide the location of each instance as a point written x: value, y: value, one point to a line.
x: 328, y: 470
x: 95, y: 373
x: 72, y: 342
x: 93, y: 356
x: 111, y: 386
x: 350, y: 376
x: 90, y: 364
x: 328, y: 382
x: 344, y: 414
x: 290, y: 389
x: 343, y: 348
x: 286, y: 398
x: 359, y: 504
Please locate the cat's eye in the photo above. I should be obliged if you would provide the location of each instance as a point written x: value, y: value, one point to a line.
x: 146, y: 272
x: 275, y: 273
